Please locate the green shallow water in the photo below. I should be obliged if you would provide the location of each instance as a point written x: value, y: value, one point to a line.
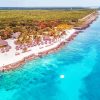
x: 79, y: 62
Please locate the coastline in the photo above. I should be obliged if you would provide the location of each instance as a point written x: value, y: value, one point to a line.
x: 33, y: 56
x: 45, y: 50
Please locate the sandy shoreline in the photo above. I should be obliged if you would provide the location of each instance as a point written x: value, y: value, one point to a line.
x: 10, y: 61
x: 25, y: 57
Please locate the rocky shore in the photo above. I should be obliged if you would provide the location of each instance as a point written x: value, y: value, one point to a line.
x: 87, y: 20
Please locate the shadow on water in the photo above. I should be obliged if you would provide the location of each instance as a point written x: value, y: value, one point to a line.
x: 92, y: 81
x: 73, y: 81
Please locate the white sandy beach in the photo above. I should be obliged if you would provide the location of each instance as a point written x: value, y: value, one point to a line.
x: 11, y: 57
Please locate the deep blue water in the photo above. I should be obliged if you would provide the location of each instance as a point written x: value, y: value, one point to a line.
x: 78, y: 61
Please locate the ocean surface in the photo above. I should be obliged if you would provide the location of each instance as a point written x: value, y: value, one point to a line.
x: 72, y: 73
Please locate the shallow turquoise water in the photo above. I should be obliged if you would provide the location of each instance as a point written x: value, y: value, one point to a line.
x: 79, y: 62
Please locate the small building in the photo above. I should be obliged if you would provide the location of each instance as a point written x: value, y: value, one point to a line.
x: 3, y: 43
x: 46, y: 38
x: 16, y: 35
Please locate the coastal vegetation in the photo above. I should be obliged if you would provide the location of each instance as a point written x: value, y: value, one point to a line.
x: 29, y: 34
x: 34, y: 23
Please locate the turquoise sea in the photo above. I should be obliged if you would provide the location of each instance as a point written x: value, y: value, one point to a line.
x: 78, y: 62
